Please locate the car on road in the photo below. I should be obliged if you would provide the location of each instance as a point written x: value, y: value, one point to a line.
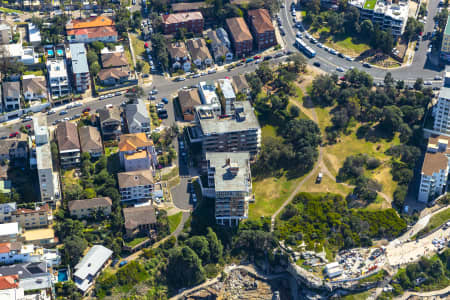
x: 27, y: 119
x: 75, y: 116
x: 63, y: 112
x: 123, y: 262
x: 267, y: 57
x: 180, y: 79
x: 51, y: 112
x: 249, y: 60
x: 316, y: 63
x: 162, y: 113
x: 3, y: 137
x: 14, y: 134
x: 256, y: 57
x: 367, y: 65
x: 154, y: 92
x: 212, y: 71
x: 340, y: 69
x: 117, y: 94
x: 160, y: 105
x: 340, y: 55
x: 66, y: 119
x: 298, y: 34
x: 194, y: 198
x: 165, y: 100
x: 436, y: 88
x: 196, y: 76
x: 109, y: 105
x: 102, y: 97
x: 87, y: 109
x: 437, y: 78
x: 428, y: 83
x: 279, y: 54
x: 151, y: 98
x: 320, y: 45
x: 77, y: 104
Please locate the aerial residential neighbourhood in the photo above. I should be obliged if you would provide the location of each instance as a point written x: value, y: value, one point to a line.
x: 226, y: 149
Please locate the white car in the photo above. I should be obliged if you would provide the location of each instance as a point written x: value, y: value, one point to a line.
x: 51, y: 112
x: 77, y: 104
x: 320, y: 45
x: 109, y: 105
x: 203, y: 74
x: 102, y: 97
x: 437, y: 78
x: 196, y: 76
x: 69, y: 106
x: 299, y: 34
x: 427, y: 83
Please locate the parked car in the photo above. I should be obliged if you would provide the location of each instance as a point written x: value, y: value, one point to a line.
x: 63, y: 112
x: 87, y: 109
x: 212, y: 71
x: 118, y: 94
x: 51, y: 112
x: 14, y: 134
x: 154, y: 92
x: 316, y: 63
x: 27, y: 119
x: 122, y: 263
x: 165, y: 100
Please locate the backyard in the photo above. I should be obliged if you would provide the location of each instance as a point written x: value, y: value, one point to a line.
x: 139, y: 49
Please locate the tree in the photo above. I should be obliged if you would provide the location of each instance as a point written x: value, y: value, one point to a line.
x: 418, y: 85
x: 294, y: 111
x: 324, y: 90
x: 388, y: 79
x: 73, y: 192
x: 215, y: 246
x: 160, y: 49
x: 95, y: 68
x: 300, y: 62
x: 184, y: 268
x: 98, y: 46
x: 74, y: 247
x: 367, y: 28
x: 264, y: 72
x: 89, y: 193
x: 200, y: 246
x: 92, y: 57
x: 392, y: 119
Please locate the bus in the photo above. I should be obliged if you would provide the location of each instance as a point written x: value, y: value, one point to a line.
x: 301, y: 45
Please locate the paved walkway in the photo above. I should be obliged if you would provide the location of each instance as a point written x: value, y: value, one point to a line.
x: 443, y: 292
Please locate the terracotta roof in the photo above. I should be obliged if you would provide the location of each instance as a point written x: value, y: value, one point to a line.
x: 197, y: 48
x: 115, y: 59
x: 238, y: 29
x: 90, y: 203
x: 260, y: 20
x: 115, y: 73
x: 67, y: 136
x: 177, y: 50
x: 9, y: 282
x: 92, y: 33
x: 434, y: 163
x: 133, y: 141
x: 135, y: 178
x: 43, y: 208
x: 90, y: 139
x: 182, y: 17
x: 98, y: 21
x: 135, y: 216
x: 188, y: 99
x: 5, y: 247
x: 36, y: 85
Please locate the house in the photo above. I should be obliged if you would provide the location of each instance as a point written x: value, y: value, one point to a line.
x: 33, y: 276
x: 227, y: 96
x: 34, y: 87
x: 191, y: 21
x: 80, y: 69
x: 435, y: 169
x: 239, y: 132
x: 199, y: 52
x: 15, y: 252
x: 90, y: 266
x: 110, y: 123
x: 100, y: 28
x: 5, y: 211
x: 220, y: 49
x: 262, y: 28
x: 41, y: 216
x: 135, y: 186
x: 229, y: 176
x: 114, y: 76
x: 34, y: 35
x: 241, y: 37
x: 137, y: 117
x: 188, y: 100
x: 139, y: 220
x: 68, y: 145
x: 16, y: 52
x: 137, y: 152
x: 179, y: 56
x: 240, y: 84
x: 58, y: 79
x: 9, y: 232
x: 114, y: 59
x: 5, y: 33
x: 88, y: 207
x: 9, y: 288
x: 14, y: 149
x: 90, y: 141
x: 11, y: 95
x: 41, y: 157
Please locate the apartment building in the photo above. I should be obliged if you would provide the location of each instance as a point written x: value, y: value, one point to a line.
x: 41, y: 157
x: 5, y: 211
x: 239, y: 132
x: 445, y: 46
x: 435, y: 169
x: 87, y: 208
x: 11, y: 95
x: 137, y: 117
x: 230, y: 177
x: 80, y: 69
x: 5, y: 33
x: 441, y: 112
x: 262, y: 28
x: 41, y: 216
x: 241, y: 37
x: 33, y: 277
x: 68, y: 145
x: 227, y: 97
x: 9, y: 232
x: 191, y: 21
x: 137, y: 152
x: 136, y: 186
x: 100, y: 28
x: 387, y: 14
x: 15, y: 252
x: 58, y: 79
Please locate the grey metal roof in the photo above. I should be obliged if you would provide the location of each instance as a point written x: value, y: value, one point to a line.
x: 90, y: 265
x: 246, y: 121
x: 444, y: 93
x: 136, y: 114
x: 7, y: 207
x: 79, y: 59
x: 223, y: 163
x: 25, y: 270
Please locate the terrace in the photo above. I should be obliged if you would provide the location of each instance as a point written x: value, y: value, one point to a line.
x: 370, y: 4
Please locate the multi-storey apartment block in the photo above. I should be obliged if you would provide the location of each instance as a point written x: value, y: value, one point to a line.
x: 191, y: 21
x: 58, y: 79
x: 230, y: 177
x: 441, y: 112
x: 241, y: 37
x: 262, y: 28
x: 80, y: 69
x: 227, y: 96
x: 41, y: 216
x: 135, y: 186
x: 445, y: 47
x: 435, y: 169
x: 68, y: 145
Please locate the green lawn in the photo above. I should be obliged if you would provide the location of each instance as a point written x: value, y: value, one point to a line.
x: 136, y: 241
x: 9, y: 10
x: 374, y: 278
x: 174, y: 221
x: 436, y: 221
x: 138, y: 47
x: 345, y: 44
x: 110, y: 150
x: 370, y: 4
x: 269, y: 130
x: 36, y: 73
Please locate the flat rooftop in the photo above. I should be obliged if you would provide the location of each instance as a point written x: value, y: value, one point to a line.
x: 370, y: 4
x: 246, y: 121
x: 38, y: 234
x: 232, y: 171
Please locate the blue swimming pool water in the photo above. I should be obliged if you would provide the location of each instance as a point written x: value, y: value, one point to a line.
x: 50, y: 52
x: 62, y: 275
x: 59, y: 52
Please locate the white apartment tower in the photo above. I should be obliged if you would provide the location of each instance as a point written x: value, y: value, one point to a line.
x: 441, y: 112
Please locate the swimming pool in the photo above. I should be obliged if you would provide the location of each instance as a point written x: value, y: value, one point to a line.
x: 62, y: 275
x: 59, y: 52
x: 50, y: 52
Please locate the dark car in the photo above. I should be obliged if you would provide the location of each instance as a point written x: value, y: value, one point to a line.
x: 267, y: 57
x: 165, y: 100
x: 316, y: 63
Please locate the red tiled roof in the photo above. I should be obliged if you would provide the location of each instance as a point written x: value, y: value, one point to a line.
x: 43, y: 208
x: 89, y: 22
x: 260, y: 20
x: 5, y: 247
x: 238, y: 29
x: 9, y: 282
x: 182, y: 17
x: 94, y: 32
